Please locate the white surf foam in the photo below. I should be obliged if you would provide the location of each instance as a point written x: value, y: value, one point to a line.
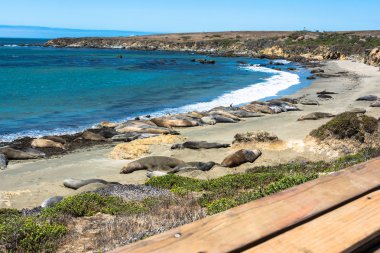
x: 281, y: 80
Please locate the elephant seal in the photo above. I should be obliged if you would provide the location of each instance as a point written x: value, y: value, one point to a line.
x: 224, y: 114
x: 15, y: 154
x: 175, y: 122
x: 193, y: 166
x: 143, y: 126
x: 316, y: 116
x: 199, y: 145
x: 50, y: 202
x: 367, y: 98
x: 78, y: 183
x: 375, y: 104
x: 151, y: 163
x: 222, y: 119
x: 325, y: 96
x: 156, y: 173
x: 309, y: 102
x: 88, y: 135
x: 3, y: 162
x: 240, y: 157
x: 325, y: 92
x: 45, y: 143
x: 208, y: 120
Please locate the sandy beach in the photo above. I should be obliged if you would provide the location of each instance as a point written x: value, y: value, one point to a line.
x: 27, y: 184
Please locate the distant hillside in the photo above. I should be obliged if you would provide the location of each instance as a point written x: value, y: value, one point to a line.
x: 49, y: 33
x: 298, y: 46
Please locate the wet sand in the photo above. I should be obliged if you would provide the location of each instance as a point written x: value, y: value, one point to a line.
x: 27, y: 184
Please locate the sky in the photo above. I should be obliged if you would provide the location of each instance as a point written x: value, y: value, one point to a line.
x: 168, y: 16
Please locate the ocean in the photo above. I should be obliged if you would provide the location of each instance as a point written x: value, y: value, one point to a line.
x: 60, y: 90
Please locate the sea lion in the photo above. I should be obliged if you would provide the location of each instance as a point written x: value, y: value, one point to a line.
x: 193, y: 166
x: 88, y: 135
x: 156, y: 173
x: 241, y: 156
x: 375, y: 104
x: 3, y: 162
x: 45, y: 143
x: 175, y: 122
x: 78, y: 183
x: 208, y: 120
x: 199, y: 145
x: 50, y: 202
x: 15, y: 154
x: 367, y: 98
x: 151, y: 163
x: 316, y: 116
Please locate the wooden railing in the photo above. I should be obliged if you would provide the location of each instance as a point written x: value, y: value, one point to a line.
x: 339, y: 212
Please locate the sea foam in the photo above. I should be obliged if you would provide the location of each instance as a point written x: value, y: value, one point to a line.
x: 281, y: 80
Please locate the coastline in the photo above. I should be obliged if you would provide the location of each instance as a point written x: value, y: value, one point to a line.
x: 40, y: 179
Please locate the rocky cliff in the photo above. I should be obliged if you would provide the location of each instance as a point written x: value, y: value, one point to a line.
x: 363, y: 46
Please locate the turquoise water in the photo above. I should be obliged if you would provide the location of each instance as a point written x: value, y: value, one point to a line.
x: 52, y: 90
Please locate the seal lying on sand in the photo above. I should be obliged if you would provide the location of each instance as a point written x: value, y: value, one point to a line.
x: 199, y: 145
x: 88, y: 135
x: 316, y: 116
x: 78, y: 183
x: 240, y: 157
x: 182, y: 167
x: 375, y: 104
x: 193, y: 166
x: 51, y: 201
x: 15, y: 154
x: 143, y: 126
x: 45, y: 143
x: 175, y: 122
x: 367, y: 98
x: 152, y: 163
x: 55, y: 139
x: 3, y: 162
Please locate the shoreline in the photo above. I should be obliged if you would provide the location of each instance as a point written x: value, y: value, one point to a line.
x: 11, y: 138
x: 40, y: 179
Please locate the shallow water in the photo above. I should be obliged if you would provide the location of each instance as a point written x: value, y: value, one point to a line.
x: 52, y: 90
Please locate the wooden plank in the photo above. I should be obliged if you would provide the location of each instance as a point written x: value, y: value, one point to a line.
x: 243, y: 226
x: 345, y: 229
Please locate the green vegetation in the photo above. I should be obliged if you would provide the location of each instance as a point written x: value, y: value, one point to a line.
x: 89, y: 204
x: 28, y: 233
x: 222, y: 193
x: 347, y: 125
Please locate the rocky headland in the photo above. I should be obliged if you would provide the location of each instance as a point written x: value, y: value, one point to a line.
x: 362, y: 46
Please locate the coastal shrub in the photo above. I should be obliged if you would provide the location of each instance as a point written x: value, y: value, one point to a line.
x: 346, y: 125
x: 88, y: 204
x: 220, y: 205
x: 28, y: 233
x: 172, y: 181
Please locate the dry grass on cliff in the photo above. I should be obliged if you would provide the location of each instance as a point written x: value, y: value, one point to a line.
x: 104, y: 232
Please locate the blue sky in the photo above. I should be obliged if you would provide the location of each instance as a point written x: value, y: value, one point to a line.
x: 194, y: 15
